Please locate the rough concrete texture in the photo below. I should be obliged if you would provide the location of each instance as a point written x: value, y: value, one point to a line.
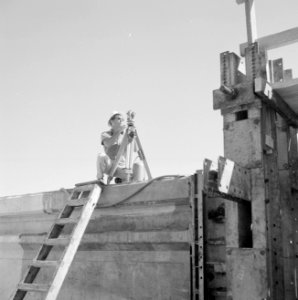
x: 136, y: 250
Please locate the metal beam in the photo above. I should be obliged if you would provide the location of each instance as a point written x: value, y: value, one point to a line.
x: 230, y: 180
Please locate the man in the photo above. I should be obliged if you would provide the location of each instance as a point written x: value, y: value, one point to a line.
x: 111, y: 141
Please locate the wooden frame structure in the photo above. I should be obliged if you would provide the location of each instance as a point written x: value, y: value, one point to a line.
x: 260, y: 112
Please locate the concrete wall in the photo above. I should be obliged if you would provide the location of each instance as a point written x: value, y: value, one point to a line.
x: 30, y: 214
x: 136, y: 250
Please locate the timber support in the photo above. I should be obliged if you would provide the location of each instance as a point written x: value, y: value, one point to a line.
x: 260, y: 135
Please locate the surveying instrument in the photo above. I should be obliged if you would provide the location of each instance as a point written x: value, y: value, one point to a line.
x: 130, y: 144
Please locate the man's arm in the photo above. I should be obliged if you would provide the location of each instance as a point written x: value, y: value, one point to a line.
x: 109, y: 141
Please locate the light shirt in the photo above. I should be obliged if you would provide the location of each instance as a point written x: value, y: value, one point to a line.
x: 113, y: 149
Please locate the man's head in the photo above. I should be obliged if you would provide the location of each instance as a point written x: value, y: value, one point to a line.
x: 116, y: 120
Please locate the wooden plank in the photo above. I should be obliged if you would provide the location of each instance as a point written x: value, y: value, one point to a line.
x: 273, y: 208
x: 287, y: 153
x: 138, y: 237
x: 44, y: 263
x: 233, y: 179
x: 241, y: 139
x: 74, y: 243
x: 289, y: 87
x: 31, y: 287
x: 126, y: 218
x: 295, y: 198
x: 258, y: 209
x: 64, y: 221
x: 275, y: 40
x: 246, y: 274
x: 215, y: 243
x: 169, y: 188
x: 251, y: 23
x: 79, y: 202
x: 129, y: 241
x: 270, y: 95
x: 288, y: 233
x: 288, y: 90
x: 57, y: 241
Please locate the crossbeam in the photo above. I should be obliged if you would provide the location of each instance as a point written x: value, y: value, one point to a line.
x: 274, y: 41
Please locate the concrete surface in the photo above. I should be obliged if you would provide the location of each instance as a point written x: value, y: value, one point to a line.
x: 137, y: 250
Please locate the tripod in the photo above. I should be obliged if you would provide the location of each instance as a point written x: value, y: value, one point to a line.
x: 129, y: 143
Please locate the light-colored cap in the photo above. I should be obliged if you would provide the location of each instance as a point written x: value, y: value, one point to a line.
x: 114, y: 113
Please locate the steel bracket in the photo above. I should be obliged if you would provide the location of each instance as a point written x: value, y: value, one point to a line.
x: 227, y: 179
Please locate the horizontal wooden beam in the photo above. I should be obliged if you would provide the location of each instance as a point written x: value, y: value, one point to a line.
x: 176, y: 240
x: 288, y: 90
x: 181, y: 236
x: 274, y: 41
x: 156, y: 190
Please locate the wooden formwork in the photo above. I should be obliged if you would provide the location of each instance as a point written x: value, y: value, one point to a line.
x: 260, y: 134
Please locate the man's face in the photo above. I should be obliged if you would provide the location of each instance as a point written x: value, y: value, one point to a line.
x: 117, y: 121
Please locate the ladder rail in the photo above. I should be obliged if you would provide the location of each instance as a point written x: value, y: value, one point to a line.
x: 75, y: 240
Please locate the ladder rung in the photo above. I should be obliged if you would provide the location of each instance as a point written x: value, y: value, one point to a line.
x: 57, y: 242
x: 64, y: 221
x: 33, y: 287
x: 44, y: 263
x: 80, y: 202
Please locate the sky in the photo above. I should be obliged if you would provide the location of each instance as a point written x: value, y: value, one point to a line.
x: 65, y: 65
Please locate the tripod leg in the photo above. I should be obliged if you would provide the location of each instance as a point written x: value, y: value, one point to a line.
x: 129, y: 160
x: 117, y: 159
x: 142, y: 156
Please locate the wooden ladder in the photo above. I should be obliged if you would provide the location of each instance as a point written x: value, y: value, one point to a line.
x: 83, y: 198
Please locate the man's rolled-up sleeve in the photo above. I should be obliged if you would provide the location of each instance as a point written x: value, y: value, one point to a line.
x: 104, y: 135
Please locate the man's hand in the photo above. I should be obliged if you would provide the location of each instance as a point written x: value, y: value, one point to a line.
x: 120, y: 129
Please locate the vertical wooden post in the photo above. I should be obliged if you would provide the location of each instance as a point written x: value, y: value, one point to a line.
x: 272, y: 200
x: 287, y: 156
x: 251, y: 23
x: 293, y: 159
